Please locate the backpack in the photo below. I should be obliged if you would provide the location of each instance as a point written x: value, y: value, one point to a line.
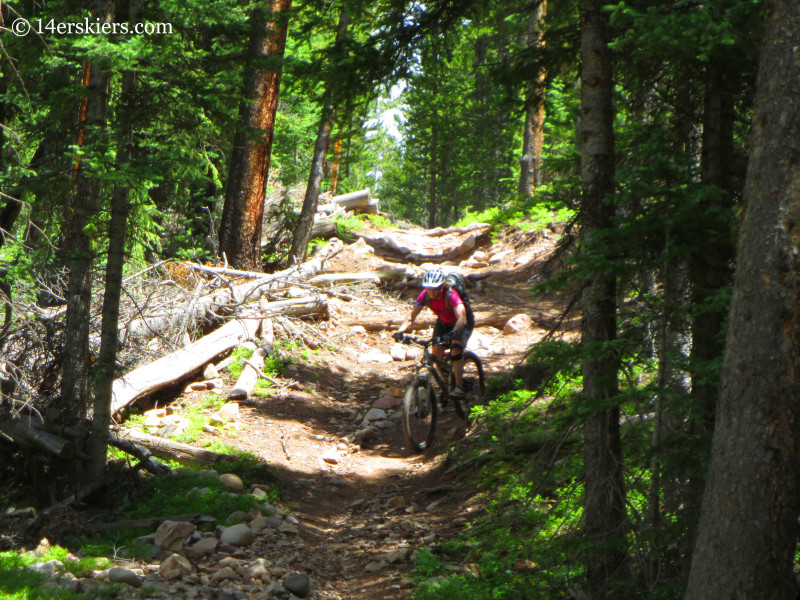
x: 457, y: 282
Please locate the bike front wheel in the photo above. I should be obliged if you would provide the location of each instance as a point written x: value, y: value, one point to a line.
x: 419, y: 414
x: 473, y: 385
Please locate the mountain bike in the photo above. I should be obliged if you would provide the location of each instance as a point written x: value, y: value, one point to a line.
x: 430, y: 390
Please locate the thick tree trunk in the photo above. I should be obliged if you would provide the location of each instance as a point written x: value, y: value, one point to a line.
x: 710, y: 271
x: 240, y: 229
x: 115, y: 262
x: 86, y: 203
x: 530, y: 172
x: 748, y: 525
x: 604, y: 497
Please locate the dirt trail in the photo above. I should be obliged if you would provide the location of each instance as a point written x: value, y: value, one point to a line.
x: 364, y: 510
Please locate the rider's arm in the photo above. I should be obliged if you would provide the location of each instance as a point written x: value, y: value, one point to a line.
x: 461, y: 317
x: 415, y: 310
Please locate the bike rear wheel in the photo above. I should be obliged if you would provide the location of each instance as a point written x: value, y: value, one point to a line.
x: 419, y: 414
x: 473, y: 383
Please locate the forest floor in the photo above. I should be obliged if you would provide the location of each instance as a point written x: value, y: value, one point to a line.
x: 363, y: 511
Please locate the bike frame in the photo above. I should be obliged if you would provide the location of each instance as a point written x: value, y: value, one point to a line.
x: 429, y: 363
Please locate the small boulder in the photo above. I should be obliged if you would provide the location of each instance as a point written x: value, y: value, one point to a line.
x: 233, y: 482
x: 517, y: 324
x: 210, y: 371
x: 373, y: 414
x: 175, y: 566
x: 230, y: 412
x: 387, y: 402
x: 126, y: 576
x: 398, y: 351
x: 223, y: 574
x: 298, y: 583
x: 171, y: 535
x: 375, y: 355
x: 238, y: 535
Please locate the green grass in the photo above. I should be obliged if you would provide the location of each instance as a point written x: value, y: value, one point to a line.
x: 529, y: 216
x: 198, y: 417
x: 239, y: 354
x: 17, y: 582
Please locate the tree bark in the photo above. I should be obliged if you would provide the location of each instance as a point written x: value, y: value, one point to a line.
x: 604, y: 496
x: 711, y: 268
x: 243, y: 211
x: 115, y: 262
x: 86, y: 203
x: 302, y: 234
x: 748, y: 525
x: 530, y: 172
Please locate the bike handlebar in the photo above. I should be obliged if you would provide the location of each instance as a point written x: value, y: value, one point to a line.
x: 436, y: 341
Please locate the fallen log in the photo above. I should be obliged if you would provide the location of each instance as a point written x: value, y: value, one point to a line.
x: 307, y: 306
x: 353, y: 200
x: 383, y: 275
x: 247, y: 380
x: 171, y: 450
x: 181, y: 364
x: 323, y: 228
x: 467, y: 229
x: 146, y: 459
x: 27, y: 434
x: 150, y: 523
x: 296, y: 333
x: 227, y: 299
x: 482, y: 319
x: 387, y: 247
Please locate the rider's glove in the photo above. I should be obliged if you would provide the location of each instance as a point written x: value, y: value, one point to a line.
x: 448, y: 337
x: 398, y: 336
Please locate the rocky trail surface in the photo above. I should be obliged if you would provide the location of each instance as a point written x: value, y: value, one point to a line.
x: 356, y: 503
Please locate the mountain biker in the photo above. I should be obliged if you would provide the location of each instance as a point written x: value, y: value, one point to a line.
x: 453, y: 325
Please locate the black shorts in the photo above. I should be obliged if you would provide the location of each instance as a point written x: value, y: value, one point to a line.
x: 440, y: 328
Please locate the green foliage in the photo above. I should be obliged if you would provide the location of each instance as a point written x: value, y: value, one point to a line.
x: 239, y: 354
x: 184, y: 493
x: 18, y: 582
x: 198, y: 417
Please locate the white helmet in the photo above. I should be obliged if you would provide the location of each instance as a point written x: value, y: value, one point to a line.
x: 433, y: 278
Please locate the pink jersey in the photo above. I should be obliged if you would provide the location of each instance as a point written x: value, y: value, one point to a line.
x: 440, y: 305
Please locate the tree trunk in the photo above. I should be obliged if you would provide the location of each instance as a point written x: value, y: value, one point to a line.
x: 302, y: 234
x: 243, y: 211
x: 748, y: 525
x: 604, y: 502
x: 530, y: 172
x: 86, y: 203
x: 337, y: 157
x: 433, y: 200
x: 711, y: 269
x: 115, y: 262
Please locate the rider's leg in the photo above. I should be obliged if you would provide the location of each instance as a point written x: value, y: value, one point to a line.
x: 439, y: 329
x: 456, y: 356
x: 456, y: 352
